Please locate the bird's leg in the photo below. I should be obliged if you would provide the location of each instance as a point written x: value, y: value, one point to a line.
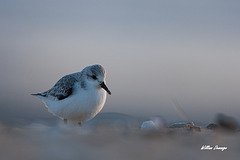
x: 65, y: 121
x: 80, y: 124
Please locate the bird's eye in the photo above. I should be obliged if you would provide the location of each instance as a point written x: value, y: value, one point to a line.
x: 94, y: 77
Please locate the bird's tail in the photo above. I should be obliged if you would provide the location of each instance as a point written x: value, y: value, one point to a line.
x: 39, y: 94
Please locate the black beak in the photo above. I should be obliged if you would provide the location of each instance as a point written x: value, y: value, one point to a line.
x: 105, y: 88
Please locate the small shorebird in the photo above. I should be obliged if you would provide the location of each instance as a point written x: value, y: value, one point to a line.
x: 79, y: 96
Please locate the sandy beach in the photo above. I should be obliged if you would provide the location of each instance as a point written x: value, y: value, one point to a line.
x: 114, y: 140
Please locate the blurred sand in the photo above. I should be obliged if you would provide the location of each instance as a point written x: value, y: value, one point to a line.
x: 112, y: 136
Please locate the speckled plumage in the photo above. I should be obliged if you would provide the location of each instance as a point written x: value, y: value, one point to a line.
x: 64, y: 87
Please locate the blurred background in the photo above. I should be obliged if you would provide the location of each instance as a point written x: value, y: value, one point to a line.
x: 153, y: 51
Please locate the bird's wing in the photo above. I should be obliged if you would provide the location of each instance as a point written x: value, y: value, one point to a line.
x: 63, y: 88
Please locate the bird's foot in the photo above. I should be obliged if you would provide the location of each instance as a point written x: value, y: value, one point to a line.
x: 80, y: 124
x: 65, y: 121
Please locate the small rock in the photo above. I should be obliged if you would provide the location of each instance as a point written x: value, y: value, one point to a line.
x: 187, y: 125
x: 226, y: 122
x: 212, y: 126
x: 181, y: 125
x: 148, y: 126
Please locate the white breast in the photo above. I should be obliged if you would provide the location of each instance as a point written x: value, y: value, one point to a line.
x: 81, y: 106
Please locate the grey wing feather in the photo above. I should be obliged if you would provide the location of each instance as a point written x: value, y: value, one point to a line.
x: 63, y: 88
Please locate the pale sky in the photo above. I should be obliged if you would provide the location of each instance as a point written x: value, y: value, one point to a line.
x: 153, y: 51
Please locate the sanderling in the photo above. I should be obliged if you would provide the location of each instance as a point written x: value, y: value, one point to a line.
x: 79, y: 96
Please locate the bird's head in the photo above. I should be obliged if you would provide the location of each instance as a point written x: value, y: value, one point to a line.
x: 95, y: 76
